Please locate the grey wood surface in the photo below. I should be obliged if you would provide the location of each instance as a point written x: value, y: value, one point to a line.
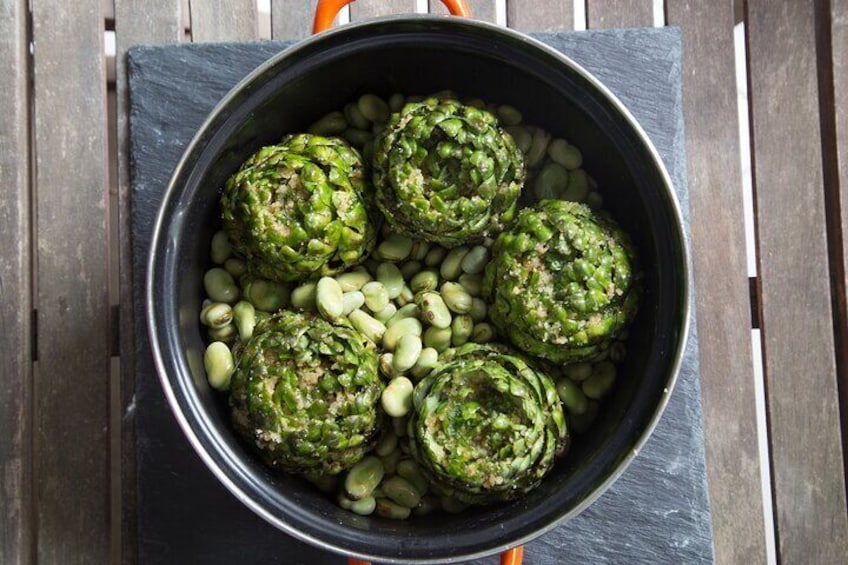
x: 292, y: 19
x: 715, y: 199
x: 532, y: 15
x: 153, y: 22
x: 71, y: 388
x: 619, y: 13
x: 480, y: 9
x: 798, y: 338
x: 364, y: 9
x: 16, y: 513
x: 837, y: 185
x: 223, y: 20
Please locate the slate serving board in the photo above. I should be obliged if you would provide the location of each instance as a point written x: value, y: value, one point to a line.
x: 658, y: 510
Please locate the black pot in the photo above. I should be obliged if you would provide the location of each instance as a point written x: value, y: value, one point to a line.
x: 421, y: 54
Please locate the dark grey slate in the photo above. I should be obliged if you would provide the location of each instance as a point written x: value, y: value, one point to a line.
x: 657, y: 512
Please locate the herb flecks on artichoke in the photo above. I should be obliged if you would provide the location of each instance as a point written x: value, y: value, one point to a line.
x: 487, y: 424
x: 299, y: 209
x: 305, y: 393
x: 562, y: 281
x: 446, y: 172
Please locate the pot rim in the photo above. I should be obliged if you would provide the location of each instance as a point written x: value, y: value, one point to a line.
x: 172, y: 190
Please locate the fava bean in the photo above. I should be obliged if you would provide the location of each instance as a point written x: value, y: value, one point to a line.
x: 410, y: 269
x: 376, y: 296
x: 406, y: 326
x: 565, y: 154
x: 419, y: 250
x: 434, y: 310
x: 386, y: 313
x: 390, y: 462
x: 424, y: 281
x: 428, y: 359
x: 367, y: 325
x: 461, y: 329
x: 217, y: 315
x: 226, y: 334
x: 267, y: 296
x: 407, y: 311
x: 244, y: 316
x: 219, y: 364
x: 455, y: 298
x: 354, y: 117
x: 578, y: 371
x: 351, y: 301
x: 353, y: 280
x: 435, y: 256
x: 479, y: 309
x: 452, y: 505
x: 437, y: 338
x: 220, y: 286
x: 220, y: 248
x: 523, y: 138
x: 235, y: 266
x: 582, y: 422
x: 401, y: 491
x: 395, y: 248
x: 551, y: 181
x: 406, y: 296
x: 387, y: 365
x: 333, y: 123
x: 325, y: 483
x: 482, y: 332
x: 357, y: 137
x: 303, y: 297
x: 388, y: 443
x: 409, y: 470
x: 508, y: 115
x: 364, y: 507
x: 390, y: 275
x: 374, y: 108
x: 392, y: 510
x: 427, y: 505
x: 364, y: 477
x: 406, y: 352
x: 601, y: 381
x: 572, y: 397
x: 329, y: 298
x: 594, y: 200
x: 475, y: 260
x: 538, y: 146
x: 397, y: 397
x: 617, y: 352
x: 452, y: 265
x: 578, y: 186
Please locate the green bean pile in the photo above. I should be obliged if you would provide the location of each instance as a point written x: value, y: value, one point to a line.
x: 414, y: 301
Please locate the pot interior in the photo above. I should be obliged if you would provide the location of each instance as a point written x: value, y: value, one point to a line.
x: 421, y: 56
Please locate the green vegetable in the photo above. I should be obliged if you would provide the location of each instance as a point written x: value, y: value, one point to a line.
x: 446, y: 173
x: 220, y: 286
x: 298, y: 209
x: 305, y: 393
x: 397, y: 397
x: 219, y: 365
x: 486, y: 425
x: 364, y: 477
x: 562, y: 282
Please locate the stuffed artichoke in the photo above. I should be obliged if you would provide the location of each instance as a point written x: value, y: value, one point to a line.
x: 298, y: 209
x: 446, y: 173
x: 487, y: 424
x: 305, y: 393
x: 562, y: 282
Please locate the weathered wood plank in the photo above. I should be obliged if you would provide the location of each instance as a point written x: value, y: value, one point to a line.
x: 292, y: 19
x: 798, y: 340
x: 152, y: 22
x: 721, y: 283
x: 223, y: 20
x: 16, y: 511
x: 531, y: 15
x: 480, y: 9
x: 836, y: 184
x: 619, y: 13
x: 71, y: 417
x: 364, y: 9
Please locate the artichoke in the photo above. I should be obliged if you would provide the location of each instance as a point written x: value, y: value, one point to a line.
x: 305, y: 393
x: 298, y: 209
x: 446, y: 173
x: 487, y: 425
x: 562, y: 282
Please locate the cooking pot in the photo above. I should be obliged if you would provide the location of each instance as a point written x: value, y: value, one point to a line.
x: 417, y: 55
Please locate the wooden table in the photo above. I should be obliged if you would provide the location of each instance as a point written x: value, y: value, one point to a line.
x: 775, y: 437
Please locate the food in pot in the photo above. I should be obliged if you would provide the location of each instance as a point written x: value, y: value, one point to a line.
x: 299, y: 209
x: 487, y: 425
x: 446, y: 172
x: 305, y: 393
x: 562, y: 283
x: 457, y: 416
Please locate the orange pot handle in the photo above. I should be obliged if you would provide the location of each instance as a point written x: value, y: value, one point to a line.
x: 326, y: 12
x: 512, y: 556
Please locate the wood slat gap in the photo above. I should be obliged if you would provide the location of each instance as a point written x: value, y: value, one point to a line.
x: 754, y: 291
x: 833, y: 208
